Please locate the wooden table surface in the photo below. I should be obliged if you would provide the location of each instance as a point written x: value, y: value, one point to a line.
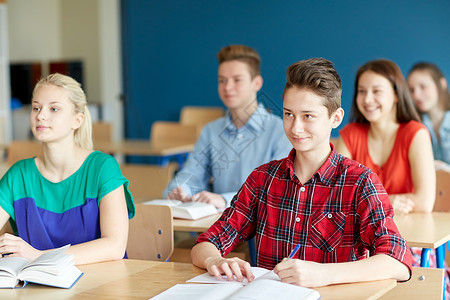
x: 138, y: 279
x: 143, y: 147
x: 200, y: 225
x: 425, y: 230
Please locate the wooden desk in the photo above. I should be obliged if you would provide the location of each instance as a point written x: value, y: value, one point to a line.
x: 200, y: 225
x: 426, y: 230
x: 138, y: 279
x: 143, y: 147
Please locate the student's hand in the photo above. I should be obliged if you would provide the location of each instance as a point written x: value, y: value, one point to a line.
x: 178, y: 193
x: 218, y: 266
x: 215, y: 199
x: 14, y: 246
x: 402, y: 204
x: 301, y: 272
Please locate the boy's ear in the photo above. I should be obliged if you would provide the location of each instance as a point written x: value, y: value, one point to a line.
x: 443, y: 83
x: 257, y: 82
x: 337, y: 117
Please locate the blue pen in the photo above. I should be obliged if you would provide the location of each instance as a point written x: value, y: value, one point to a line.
x: 294, y: 251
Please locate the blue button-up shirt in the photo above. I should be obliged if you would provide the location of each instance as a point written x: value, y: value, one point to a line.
x: 224, y: 155
x: 441, y: 147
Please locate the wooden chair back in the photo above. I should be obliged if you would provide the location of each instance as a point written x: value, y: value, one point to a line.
x: 163, y: 132
x: 102, y: 132
x: 442, y: 202
x: 18, y: 150
x: 147, y: 181
x: 200, y: 115
x: 150, y: 235
x: 425, y: 283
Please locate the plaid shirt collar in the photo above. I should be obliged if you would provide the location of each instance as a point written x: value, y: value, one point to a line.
x: 324, y: 174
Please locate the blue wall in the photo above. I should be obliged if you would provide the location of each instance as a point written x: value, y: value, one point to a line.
x: 170, y: 46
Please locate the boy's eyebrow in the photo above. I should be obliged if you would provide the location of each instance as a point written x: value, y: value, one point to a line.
x: 237, y: 75
x: 302, y: 111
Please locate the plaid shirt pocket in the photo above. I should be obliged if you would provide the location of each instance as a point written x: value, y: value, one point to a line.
x: 327, y: 230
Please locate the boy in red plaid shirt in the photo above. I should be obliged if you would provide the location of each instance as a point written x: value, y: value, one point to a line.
x: 334, y: 208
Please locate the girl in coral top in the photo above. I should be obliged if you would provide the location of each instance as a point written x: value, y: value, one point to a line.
x: 387, y: 136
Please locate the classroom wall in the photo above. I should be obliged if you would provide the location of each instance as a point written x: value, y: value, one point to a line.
x: 88, y: 30
x: 80, y: 41
x: 55, y: 30
x: 169, y: 47
x: 34, y: 30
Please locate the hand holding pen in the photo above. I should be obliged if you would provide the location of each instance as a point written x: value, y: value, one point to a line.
x: 298, y: 271
x: 294, y: 251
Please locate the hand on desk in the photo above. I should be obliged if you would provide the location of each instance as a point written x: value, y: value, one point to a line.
x: 178, y: 193
x: 215, y: 199
x: 301, y: 272
x: 230, y: 267
x: 14, y: 246
x: 402, y: 204
x: 211, y: 198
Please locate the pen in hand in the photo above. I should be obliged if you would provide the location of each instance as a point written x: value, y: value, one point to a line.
x: 291, y: 255
x: 294, y: 251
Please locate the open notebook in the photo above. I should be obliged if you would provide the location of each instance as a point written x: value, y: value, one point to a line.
x: 186, y: 210
x: 266, y: 286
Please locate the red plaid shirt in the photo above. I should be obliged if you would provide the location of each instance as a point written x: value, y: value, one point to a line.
x: 341, y: 212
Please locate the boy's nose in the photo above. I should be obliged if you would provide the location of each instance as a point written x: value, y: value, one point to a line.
x: 228, y: 85
x: 297, y: 127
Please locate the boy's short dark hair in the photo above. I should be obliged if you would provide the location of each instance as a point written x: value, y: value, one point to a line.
x: 319, y: 76
x: 244, y: 54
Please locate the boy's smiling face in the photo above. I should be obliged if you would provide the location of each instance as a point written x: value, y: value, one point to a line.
x: 306, y: 121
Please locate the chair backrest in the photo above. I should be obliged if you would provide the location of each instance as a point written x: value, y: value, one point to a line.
x: 200, y: 115
x: 102, y: 132
x: 147, y: 181
x: 168, y: 132
x: 18, y: 150
x: 150, y: 235
x: 425, y: 283
x: 442, y: 202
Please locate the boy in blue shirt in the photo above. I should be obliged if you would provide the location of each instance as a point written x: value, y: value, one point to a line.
x: 231, y: 147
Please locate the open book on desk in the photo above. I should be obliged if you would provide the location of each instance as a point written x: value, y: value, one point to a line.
x: 53, y: 268
x: 266, y: 286
x: 186, y: 210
